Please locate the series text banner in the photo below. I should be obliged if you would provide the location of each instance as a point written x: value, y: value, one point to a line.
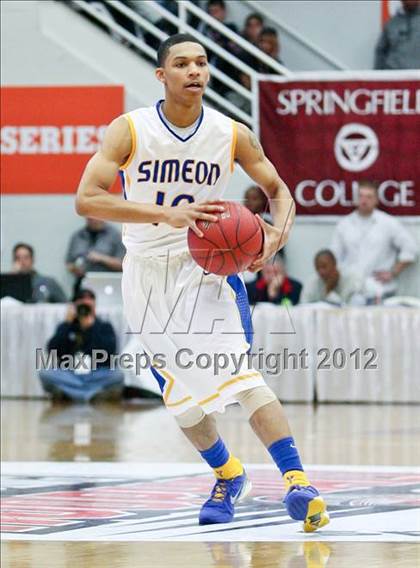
x: 49, y: 133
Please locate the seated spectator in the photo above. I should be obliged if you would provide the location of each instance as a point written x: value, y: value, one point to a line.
x: 78, y: 337
x: 253, y: 27
x: 399, y: 44
x: 269, y: 43
x: 373, y: 244
x: 273, y: 285
x: 256, y: 200
x: 331, y: 285
x: 97, y: 247
x: 44, y: 288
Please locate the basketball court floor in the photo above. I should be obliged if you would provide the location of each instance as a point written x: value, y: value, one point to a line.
x: 118, y: 485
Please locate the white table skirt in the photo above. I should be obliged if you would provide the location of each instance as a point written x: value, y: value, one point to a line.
x: 283, y: 337
x: 26, y: 328
x: 394, y: 333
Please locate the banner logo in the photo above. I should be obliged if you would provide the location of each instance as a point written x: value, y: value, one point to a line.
x: 356, y: 147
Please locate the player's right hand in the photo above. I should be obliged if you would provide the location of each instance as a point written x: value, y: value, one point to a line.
x: 188, y: 215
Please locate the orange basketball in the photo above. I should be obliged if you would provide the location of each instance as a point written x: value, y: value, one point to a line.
x: 230, y: 245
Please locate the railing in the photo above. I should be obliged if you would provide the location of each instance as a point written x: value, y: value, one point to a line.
x: 250, y: 116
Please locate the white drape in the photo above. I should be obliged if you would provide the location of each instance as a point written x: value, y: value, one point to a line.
x: 283, y: 337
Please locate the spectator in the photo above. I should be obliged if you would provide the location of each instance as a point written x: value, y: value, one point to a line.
x: 331, y: 285
x: 274, y: 285
x: 78, y: 338
x: 217, y: 9
x: 268, y: 42
x: 97, y: 247
x: 398, y: 46
x: 256, y: 200
x: 253, y: 27
x: 373, y: 244
x: 44, y: 288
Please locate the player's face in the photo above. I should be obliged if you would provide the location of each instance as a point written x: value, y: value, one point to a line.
x: 368, y: 200
x: 185, y: 73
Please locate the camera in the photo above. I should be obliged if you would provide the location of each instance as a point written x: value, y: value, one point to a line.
x: 83, y: 310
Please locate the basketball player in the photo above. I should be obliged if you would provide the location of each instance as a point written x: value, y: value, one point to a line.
x: 175, y: 160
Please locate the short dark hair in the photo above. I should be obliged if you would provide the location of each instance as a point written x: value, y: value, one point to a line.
x: 268, y: 31
x: 369, y: 183
x: 254, y: 16
x: 83, y: 293
x: 23, y: 245
x: 326, y: 252
x: 166, y: 45
x: 220, y: 3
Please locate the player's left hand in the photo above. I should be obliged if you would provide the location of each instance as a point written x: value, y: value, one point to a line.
x: 274, y: 240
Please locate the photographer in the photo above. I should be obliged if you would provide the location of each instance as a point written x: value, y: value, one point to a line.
x: 74, y: 340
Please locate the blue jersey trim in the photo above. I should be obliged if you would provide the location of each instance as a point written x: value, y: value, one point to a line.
x: 243, y: 305
x: 122, y: 178
x: 161, y: 381
x: 200, y: 120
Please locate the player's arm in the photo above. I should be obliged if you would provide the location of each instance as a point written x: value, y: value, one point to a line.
x: 94, y: 200
x: 250, y: 155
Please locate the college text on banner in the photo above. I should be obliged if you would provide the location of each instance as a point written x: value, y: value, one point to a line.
x: 325, y: 136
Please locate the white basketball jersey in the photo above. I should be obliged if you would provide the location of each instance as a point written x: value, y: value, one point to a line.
x: 165, y: 169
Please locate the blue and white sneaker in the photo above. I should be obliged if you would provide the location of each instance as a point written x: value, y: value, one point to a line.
x: 219, y: 508
x: 304, y: 503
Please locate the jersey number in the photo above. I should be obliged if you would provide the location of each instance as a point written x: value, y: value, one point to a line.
x: 160, y: 198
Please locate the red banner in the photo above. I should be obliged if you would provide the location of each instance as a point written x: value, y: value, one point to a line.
x: 324, y: 136
x: 49, y: 133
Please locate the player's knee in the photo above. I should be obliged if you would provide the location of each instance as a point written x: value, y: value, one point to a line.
x: 253, y: 399
x: 190, y: 417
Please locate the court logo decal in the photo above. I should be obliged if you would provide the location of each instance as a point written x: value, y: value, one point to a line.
x: 363, y: 506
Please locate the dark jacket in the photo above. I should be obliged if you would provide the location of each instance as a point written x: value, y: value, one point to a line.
x: 289, y: 292
x: 46, y: 289
x: 69, y: 339
x: 399, y: 44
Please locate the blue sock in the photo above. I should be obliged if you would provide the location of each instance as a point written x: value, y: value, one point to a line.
x: 285, y: 455
x: 217, y: 455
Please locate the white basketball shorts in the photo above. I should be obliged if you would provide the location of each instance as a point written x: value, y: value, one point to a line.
x: 195, y: 327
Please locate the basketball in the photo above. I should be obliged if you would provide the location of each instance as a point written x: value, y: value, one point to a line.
x: 230, y: 245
